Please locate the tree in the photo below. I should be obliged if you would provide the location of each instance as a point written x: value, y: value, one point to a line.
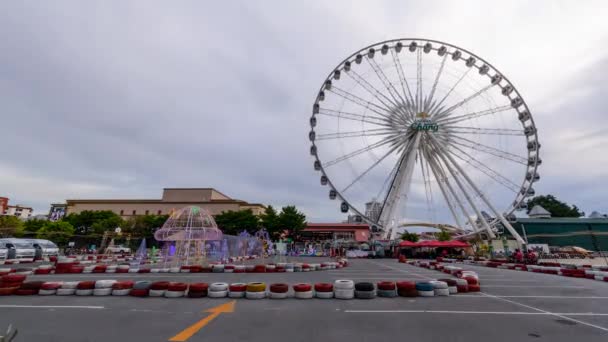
x: 233, y: 222
x: 59, y: 232
x: 291, y: 220
x: 34, y: 225
x: 270, y: 221
x: 108, y: 224
x: 145, y: 226
x: 444, y: 235
x: 556, y: 207
x: 412, y: 237
x: 90, y: 221
x: 10, y: 226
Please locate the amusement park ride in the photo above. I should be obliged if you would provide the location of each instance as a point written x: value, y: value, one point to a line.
x: 434, y: 130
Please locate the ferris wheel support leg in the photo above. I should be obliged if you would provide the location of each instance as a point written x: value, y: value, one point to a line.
x: 500, y: 217
x: 403, y: 178
x: 459, y: 202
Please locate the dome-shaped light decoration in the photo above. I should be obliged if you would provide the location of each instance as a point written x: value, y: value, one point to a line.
x: 312, y: 135
x: 189, y: 224
x: 321, y: 95
x: 315, y: 108
x: 328, y: 85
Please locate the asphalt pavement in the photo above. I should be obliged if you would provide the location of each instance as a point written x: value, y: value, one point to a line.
x: 513, y: 306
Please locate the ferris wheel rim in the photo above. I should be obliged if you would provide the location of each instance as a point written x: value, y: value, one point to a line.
x: 532, y: 154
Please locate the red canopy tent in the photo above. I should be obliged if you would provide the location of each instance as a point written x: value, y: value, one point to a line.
x: 406, y: 243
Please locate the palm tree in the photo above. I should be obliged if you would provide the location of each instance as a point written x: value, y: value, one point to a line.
x: 412, y: 237
x: 444, y: 235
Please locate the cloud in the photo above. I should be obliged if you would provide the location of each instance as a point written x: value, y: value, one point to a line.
x: 122, y: 99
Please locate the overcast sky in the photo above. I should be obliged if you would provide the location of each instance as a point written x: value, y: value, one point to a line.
x: 123, y: 98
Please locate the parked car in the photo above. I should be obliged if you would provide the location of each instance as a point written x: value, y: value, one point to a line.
x: 118, y: 249
x: 44, y: 248
x: 3, y: 252
x: 18, y: 248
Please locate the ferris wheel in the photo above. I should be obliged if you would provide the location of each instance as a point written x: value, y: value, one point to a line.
x: 417, y: 130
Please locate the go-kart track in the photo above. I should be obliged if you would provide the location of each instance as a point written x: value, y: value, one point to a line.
x: 512, y: 306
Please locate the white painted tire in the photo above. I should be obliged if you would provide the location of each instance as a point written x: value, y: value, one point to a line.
x: 453, y: 289
x: 133, y: 270
x: 86, y: 292
x: 174, y: 294
x: 123, y: 292
x: 154, y: 270
x: 426, y: 293
x: 274, y: 295
x: 228, y: 270
x: 236, y: 294
x: 65, y: 292
x: 439, y: 284
x: 69, y: 285
x: 324, y: 295
x: 442, y: 292
x: 174, y: 270
x: 113, y: 270
x: 255, y: 295
x: 164, y: 270
x: 304, y: 295
x: 289, y: 270
x: 184, y: 270
x: 156, y: 293
x: 344, y: 284
x: 217, y: 294
x: 218, y: 287
x: 104, y: 284
x: 344, y: 293
x: 461, y: 282
x: 44, y: 267
x: 43, y: 292
x: 102, y: 292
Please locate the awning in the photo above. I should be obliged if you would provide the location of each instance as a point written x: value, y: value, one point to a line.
x: 406, y: 243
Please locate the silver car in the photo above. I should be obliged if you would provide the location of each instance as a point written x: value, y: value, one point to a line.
x: 18, y: 248
x: 44, y: 248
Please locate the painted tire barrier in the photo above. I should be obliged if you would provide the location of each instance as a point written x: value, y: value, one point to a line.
x: 365, y: 290
x: 156, y: 293
x: 474, y: 288
x: 142, y: 285
x: 255, y: 295
x: 324, y: 290
x: 84, y: 292
x: 198, y: 290
x: 217, y: 294
x: 303, y: 291
x: 386, y: 289
x: 278, y: 291
x: 462, y: 285
x: 256, y: 287
x: 218, y: 290
x: 344, y: 289
x: 158, y: 288
x: 229, y: 269
x: 425, y: 289
x: 138, y: 292
x: 26, y: 292
x: 106, y: 291
x: 406, y: 289
x: 237, y: 290
x: 120, y: 292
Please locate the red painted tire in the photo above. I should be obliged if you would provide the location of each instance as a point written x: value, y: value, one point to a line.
x: 86, y: 285
x: 279, y: 288
x: 31, y: 285
x: 407, y: 292
x: 198, y: 287
x: 471, y: 280
x: 50, y: 286
x: 206, y: 269
x: 42, y: 271
x: 26, y: 292
x: 76, y: 269
x: 229, y: 267
x: 406, y: 285
x: 196, y: 269
x: 259, y: 269
x: 177, y: 287
x: 138, y: 292
x: 143, y: 270
x: 123, y: 285
x: 122, y: 270
x: 7, y: 291
x: 305, y: 266
x: 302, y: 287
x: 99, y: 269
x: 13, y: 278
x: 462, y: 288
x: 4, y: 285
x: 386, y: 285
x: 197, y: 294
x: 159, y: 285
x: 237, y: 288
x: 474, y: 288
x: 324, y: 287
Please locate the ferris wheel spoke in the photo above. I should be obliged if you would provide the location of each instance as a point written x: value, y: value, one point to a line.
x: 447, y: 112
x: 437, y: 76
x: 426, y: 179
x: 489, y: 149
x: 479, y: 130
x: 418, y: 80
x: 390, y: 87
x: 374, y: 120
x: 437, y: 107
x: 488, y: 171
x: 404, y: 85
x: 469, y: 116
x: 355, y: 153
x: 374, y: 107
x: 355, y: 134
x: 376, y: 163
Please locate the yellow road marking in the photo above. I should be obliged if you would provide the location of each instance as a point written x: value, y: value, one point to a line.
x: 185, y: 334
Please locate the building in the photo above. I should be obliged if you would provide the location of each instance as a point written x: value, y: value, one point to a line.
x: 3, y: 204
x: 173, y: 198
x: 373, y: 210
x: 350, y: 232
x: 18, y: 210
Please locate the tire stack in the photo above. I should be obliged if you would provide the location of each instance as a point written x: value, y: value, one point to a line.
x: 462, y: 285
x: 278, y: 291
x: 249, y: 268
x: 76, y: 269
x: 407, y: 289
x: 324, y: 290
x: 122, y: 269
x: 256, y: 291
x: 99, y: 269
x: 237, y: 290
x: 64, y: 266
x: 143, y: 270
x: 219, y: 268
x: 176, y: 290
x: 297, y: 267
x: 184, y: 269
x: 289, y: 267
x: 67, y: 288
x: 240, y: 269
x: 49, y: 288
x: 259, y: 269
x: 305, y: 268
x: 229, y: 269
x: 140, y: 289
x: 111, y: 268
x: 196, y: 269
x: 10, y: 283
x: 387, y: 289
x: 271, y: 268
x: 303, y: 291
x: 218, y: 290
x: 473, y: 284
x: 281, y: 268
x: 452, y: 285
x: 43, y: 269
x: 122, y: 288
x: 158, y: 288
x: 88, y: 269
x: 344, y: 289
x: 85, y: 288
x: 440, y: 288
x: 198, y: 290
x: 365, y: 290
x: 425, y: 289
x: 29, y: 288
x: 103, y: 287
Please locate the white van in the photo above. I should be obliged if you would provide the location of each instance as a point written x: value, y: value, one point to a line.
x: 18, y: 248
x: 44, y: 248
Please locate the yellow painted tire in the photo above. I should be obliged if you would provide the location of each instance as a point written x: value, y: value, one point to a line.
x: 256, y: 287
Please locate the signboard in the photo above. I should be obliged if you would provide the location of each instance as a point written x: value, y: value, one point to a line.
x: 57, y: 212
x: 71, y: 244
